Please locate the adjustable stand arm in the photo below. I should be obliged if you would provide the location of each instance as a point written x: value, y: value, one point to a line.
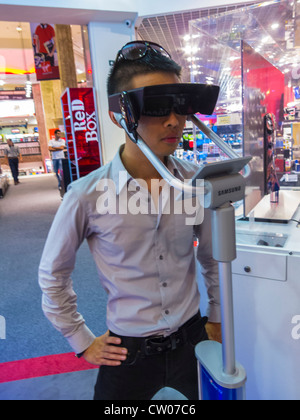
x: 158, y: 165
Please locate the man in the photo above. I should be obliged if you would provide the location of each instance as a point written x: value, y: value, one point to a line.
x: 145, y: 260
x: 12, y: 157
x: 57, y: 147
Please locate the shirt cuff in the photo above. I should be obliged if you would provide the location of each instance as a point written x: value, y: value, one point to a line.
x: 81, y: 340
x: 214, y: 313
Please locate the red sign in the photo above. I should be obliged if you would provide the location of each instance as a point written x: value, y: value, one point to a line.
x: 82, y: 133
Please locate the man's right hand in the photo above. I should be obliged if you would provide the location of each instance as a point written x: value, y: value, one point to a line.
x: 104, y: 351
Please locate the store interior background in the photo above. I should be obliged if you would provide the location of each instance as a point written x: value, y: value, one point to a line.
x: 182, y: 34
x: 18, y: 118
x: 31, y: 121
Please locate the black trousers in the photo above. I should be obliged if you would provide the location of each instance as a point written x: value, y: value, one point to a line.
x: 140, y: 377
x: 14, y: 167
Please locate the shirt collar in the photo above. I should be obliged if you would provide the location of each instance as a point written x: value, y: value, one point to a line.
x: 121, y: 177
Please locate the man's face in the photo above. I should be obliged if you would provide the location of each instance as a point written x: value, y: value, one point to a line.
x: 162, y: 134
x: 9, y: 142
x: 57, y: 135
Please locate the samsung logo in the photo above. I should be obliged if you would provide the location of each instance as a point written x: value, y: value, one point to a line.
x: 229, y: 191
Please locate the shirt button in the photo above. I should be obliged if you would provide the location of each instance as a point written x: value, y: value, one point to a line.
x: 165, y: 284
x: 161, y: 257
x: 167, y: 312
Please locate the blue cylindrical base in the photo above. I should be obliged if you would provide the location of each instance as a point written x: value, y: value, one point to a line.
x: 214, y: 384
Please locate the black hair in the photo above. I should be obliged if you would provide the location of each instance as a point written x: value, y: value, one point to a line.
x: 57, y: 131
x: 123, y: 71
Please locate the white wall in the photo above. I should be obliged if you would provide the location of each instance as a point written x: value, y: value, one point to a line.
x: 142, y: 7
x: 105, y: 41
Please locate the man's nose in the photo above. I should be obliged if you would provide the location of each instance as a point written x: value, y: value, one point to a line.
x: 172, y: 120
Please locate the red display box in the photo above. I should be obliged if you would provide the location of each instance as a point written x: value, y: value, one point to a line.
x: 82, y: 131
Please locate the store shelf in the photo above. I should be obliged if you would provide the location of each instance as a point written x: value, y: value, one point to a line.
x: 26, y: 149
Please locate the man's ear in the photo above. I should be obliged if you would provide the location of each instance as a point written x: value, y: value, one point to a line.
x: 113, y: 118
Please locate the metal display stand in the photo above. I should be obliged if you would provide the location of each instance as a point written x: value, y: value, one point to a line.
x: 220, y: 376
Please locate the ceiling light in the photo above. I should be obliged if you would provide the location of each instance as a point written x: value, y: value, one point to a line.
x: 190, y: 50
x: 275, y: 26
x: 266, y: 39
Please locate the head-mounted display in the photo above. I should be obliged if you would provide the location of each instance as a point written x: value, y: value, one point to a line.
x: 161, y: 100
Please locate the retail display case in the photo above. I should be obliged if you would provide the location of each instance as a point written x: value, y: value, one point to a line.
x: 27, y: 143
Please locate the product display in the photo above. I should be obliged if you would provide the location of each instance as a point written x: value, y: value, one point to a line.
x: 272, y: 186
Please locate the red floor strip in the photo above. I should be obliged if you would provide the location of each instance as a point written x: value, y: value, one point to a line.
x: 42, y: 366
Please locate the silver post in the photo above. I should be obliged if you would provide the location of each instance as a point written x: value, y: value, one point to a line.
x: 224, y: 251
x: 228, y: 349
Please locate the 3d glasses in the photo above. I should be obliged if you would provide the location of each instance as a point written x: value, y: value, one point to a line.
x: 161, y: 100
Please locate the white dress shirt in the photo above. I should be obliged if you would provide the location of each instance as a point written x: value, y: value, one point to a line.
x: 145, y: 259
x: 59, y: 154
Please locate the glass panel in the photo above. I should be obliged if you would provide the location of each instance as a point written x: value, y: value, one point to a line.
x: 214, y: 55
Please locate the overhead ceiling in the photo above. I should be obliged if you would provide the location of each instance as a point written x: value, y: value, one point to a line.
x: 207, y: 43
x: 62, y: 15
x: 170, y: 30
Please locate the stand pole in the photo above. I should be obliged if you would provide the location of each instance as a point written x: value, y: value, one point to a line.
x: 224, y: 251
x: 228, y: 348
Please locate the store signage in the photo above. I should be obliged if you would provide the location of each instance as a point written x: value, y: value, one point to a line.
x: 45, y: 52
x: 24, y: 108
x: 81, y: 129
x: 230, y: 119
x: 12, y: 95
x: 84, y: 121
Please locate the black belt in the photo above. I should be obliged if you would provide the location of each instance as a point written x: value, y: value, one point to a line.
x: 157, y: 344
